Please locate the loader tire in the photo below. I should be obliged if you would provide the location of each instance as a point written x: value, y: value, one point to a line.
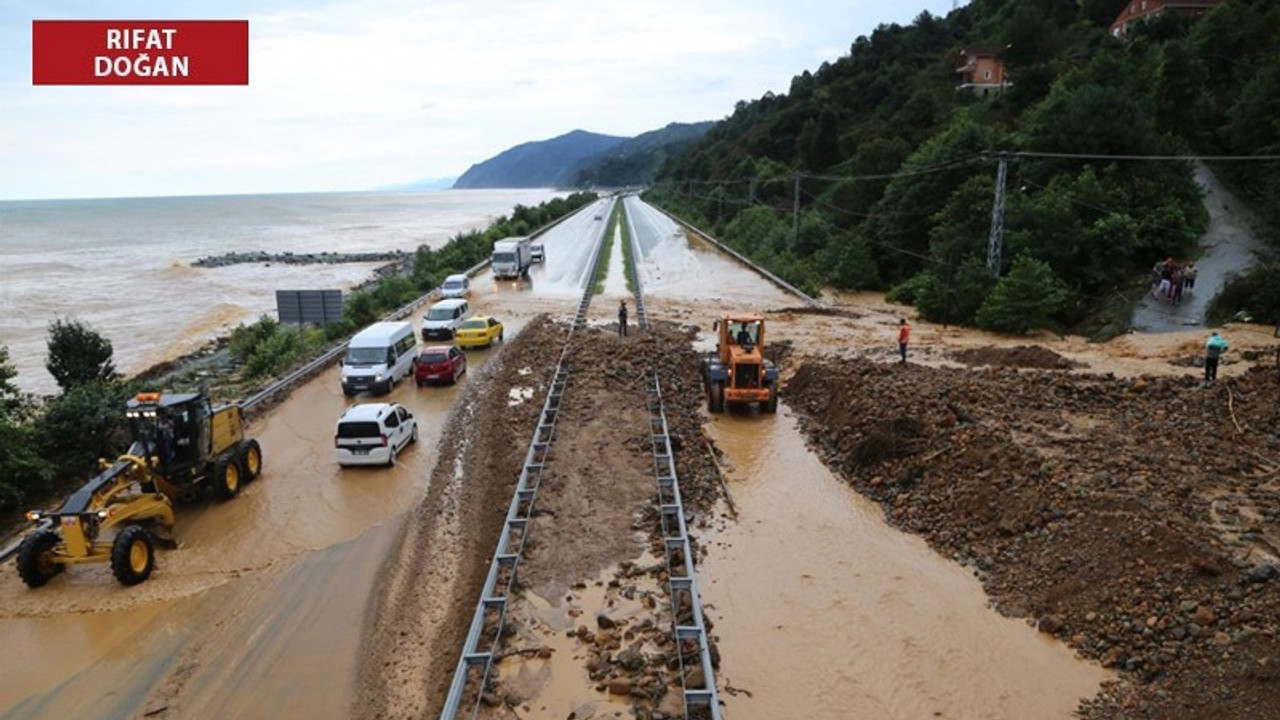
x: 226, y: 476
x: 250, y: 460
x: 771, y: 405
x: 133, y: 555
x: 715, y: 398
x: 35, y: 558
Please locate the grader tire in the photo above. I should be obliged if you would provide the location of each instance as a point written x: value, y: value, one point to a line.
x: 133, y: 555
x: 250, y: 460
x: 226, y: 476
x: 35, y: 558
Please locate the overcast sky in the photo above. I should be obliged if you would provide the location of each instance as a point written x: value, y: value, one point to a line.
x: 347, y: 95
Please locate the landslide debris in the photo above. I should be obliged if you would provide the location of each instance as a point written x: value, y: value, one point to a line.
x: 1135, y: 519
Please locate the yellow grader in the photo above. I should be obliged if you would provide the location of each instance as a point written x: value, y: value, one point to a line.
x: 737, y: 372
x: 181, y: 445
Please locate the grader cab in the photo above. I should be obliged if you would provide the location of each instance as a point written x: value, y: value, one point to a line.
x: 181, y: 444
x: 738, y: 373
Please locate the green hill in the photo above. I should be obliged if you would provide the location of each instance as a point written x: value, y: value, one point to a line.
x: 893, y: 165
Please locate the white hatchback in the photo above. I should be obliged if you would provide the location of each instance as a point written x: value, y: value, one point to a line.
x: 373, y: 434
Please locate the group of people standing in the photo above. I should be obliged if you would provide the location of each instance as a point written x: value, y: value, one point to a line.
x: 1171, y: 279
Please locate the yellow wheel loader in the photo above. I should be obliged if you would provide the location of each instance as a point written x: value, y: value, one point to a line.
x: 737, y: 372
x: 181, y: 446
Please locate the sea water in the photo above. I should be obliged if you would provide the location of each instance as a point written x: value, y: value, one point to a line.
x: 123, y: 266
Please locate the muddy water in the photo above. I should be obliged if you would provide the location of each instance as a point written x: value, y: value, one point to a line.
x: 824, y: 611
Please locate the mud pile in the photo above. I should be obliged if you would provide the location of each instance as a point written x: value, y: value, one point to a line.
x: 1136, y: 519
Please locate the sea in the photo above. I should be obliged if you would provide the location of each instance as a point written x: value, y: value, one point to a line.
x: 124, y: 267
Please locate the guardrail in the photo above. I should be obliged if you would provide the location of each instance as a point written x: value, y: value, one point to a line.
x: 475, y: 666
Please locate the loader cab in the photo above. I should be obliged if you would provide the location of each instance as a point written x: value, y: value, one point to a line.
x: 172, y: 427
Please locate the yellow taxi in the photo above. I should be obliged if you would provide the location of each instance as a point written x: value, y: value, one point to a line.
x: 478, y: 331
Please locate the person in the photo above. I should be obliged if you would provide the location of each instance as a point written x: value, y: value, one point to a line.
x: 744, y: 337
x: 904, y: 336
x: 1213, y: 349
x: 622, y: 318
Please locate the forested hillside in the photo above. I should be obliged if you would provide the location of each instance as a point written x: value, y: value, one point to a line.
x: 893, y: 167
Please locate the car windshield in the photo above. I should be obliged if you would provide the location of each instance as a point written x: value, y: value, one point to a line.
x: 366, y: 355
x: 440, y: 313
x: 432, y: 358
x: 504, y: 257
x: 473, y: 325
x: 453, y: 284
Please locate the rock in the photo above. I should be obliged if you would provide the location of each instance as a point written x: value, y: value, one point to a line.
x: 1221, y: 639
x: 620, y: 686
x: 1203, y: 617
x: 1262, y: 573
x: 630, y: 659
x: 604, y: 622
x: 1051, y: 624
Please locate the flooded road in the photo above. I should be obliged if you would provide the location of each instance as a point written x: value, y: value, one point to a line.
x: 818, y: 603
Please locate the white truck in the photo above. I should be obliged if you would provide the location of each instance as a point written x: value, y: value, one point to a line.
x: 511, y: 258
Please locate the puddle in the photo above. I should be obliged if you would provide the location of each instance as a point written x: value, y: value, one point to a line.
x: 824, y: 611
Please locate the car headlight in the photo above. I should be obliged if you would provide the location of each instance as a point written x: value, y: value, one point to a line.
x: 377, y: 378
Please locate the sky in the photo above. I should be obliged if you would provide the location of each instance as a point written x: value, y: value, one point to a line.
x: 359, y: 95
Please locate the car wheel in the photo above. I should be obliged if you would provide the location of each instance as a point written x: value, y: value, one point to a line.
x: 391, y: 457
x: 250, y: 460
x: 414, y: 437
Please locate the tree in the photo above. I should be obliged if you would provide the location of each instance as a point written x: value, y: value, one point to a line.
x: 78, y: 354
x: 83, y: 424
x: 1029, y: 297
x: 10, y: 395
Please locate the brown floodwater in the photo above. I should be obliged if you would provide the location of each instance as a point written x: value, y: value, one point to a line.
x: 824, y: 611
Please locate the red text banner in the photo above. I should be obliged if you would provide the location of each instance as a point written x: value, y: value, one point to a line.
x: 140, y: 52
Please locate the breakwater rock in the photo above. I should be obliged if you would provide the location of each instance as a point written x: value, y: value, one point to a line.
x: 259, y: 256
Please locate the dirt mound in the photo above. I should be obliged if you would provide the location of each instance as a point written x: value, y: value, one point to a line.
x: 1023, y: 356
x: 1135, y: 519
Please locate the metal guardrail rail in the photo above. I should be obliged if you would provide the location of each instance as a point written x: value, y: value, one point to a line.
x: 688, y: 628
x: 475, y: 666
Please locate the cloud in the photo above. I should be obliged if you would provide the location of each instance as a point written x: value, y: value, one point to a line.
x: 350, y: 95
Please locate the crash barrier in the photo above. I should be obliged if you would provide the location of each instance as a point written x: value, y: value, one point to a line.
x: 743, y: 259
x: 474, y: 670
x: 688, y: 629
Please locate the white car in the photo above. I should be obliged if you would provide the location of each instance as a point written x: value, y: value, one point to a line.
x: 373, y: 434
x: 455, y: 286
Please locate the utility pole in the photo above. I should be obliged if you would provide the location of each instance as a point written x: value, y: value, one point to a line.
x: 751, y: 192
x: 997, y: 216
x: 795, y: 207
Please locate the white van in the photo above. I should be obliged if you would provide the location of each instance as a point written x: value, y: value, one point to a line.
x: 455, y: 286
x: 378, y: 356
x: 373, y: 434
x: 443, y: 318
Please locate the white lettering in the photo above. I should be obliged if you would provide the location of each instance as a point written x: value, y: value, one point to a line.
x: 141, y: 38
x: 143, y: 65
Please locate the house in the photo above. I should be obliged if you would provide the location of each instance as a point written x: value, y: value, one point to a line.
x: 981, y: 71
x: 1139, y: 11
